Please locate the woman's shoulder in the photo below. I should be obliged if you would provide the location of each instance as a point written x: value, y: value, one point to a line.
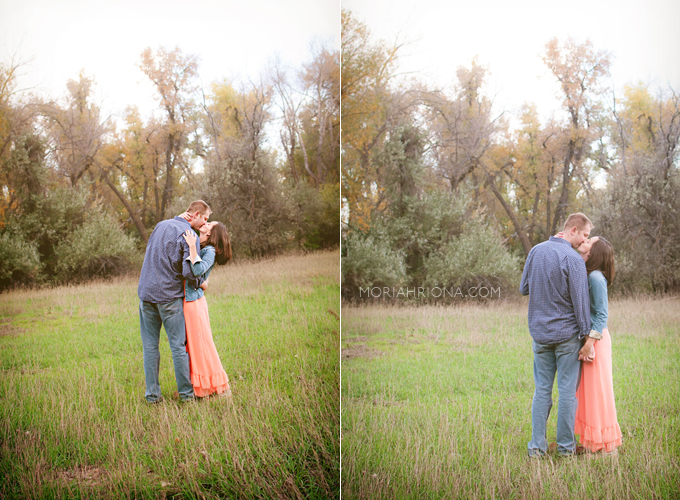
x: 206, y: 250
x: 597, y: 277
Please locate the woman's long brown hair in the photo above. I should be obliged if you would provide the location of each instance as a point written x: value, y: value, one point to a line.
x: 602, y: 259
x: 219, y: 238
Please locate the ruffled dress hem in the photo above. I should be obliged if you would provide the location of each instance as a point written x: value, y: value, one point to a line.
x: 205, y: 385
x: 607, y: 439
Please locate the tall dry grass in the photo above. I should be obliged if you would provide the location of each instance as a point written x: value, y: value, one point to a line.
x: 436, y: 403
x: 75, y: 422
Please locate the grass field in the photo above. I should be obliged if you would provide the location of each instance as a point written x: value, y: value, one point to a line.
x: 436, y: 403
x: 75, y: 424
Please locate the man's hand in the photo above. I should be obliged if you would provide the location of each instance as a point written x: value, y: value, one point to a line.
x: 587, y: 352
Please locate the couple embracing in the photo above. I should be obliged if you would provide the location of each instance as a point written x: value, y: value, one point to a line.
x: 174, y: 277
x: 566, y: 279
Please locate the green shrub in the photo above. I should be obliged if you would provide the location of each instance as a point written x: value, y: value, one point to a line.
x: 476, y: 257
x: 97, y: 248
x: 19, y: 261
x: 369, y: 261
x: 436, y: 241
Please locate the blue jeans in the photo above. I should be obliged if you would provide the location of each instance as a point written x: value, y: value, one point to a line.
x: 171, y: 316
x: 548, y: 359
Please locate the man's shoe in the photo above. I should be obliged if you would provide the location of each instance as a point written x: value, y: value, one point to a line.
x: 552, y: 448
x: 159, y: 400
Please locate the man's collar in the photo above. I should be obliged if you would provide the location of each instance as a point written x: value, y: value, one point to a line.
x: 563, y: 241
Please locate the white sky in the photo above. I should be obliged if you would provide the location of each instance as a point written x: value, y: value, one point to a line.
x: 234, y: 39
x: 509, y: 38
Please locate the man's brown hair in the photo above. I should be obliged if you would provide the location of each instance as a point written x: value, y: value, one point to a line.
x: 199, y: 206
x: 579, y: 220
x: 219, y: 238
x: 602, y: 259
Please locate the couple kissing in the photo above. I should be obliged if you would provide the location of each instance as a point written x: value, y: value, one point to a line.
x: 566, y: 279
x: 171, y: 289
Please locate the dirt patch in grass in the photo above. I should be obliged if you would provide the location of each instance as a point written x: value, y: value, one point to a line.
x: 362, y: 329
x: 360, y: 351
x: 355, y: 339
x: 87, y: 474
x: 406, y: 340
x: 10, y: 329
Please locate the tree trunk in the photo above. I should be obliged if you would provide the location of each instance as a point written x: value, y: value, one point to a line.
x: 169, y: 167
x: 128, y: 207
x: 304, y: 155
x: 564, y: 196
x: 320, y: 168
x: 526, y: 244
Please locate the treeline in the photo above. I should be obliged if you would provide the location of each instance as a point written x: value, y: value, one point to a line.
x: 81, y: 192
x: 440, y: 191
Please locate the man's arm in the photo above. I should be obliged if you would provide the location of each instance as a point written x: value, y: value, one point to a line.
x: 524, y: 284
x: 580, y: 295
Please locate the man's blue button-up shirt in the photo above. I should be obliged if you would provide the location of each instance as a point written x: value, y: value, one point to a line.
x: 165, y: 263
x: 556, y: 281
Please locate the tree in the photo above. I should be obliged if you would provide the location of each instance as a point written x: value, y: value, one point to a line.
x: 290, y: 101
x: 18, y: 136
x: 309, y: 106
x: 77, y: 130
x: 463, y: 126
x: 531, y: 171
x: 369, y: 108
x: 241, y: 182
x: 321, y: 118
x: 173, y: 74
x: 579, y: 69
x: 640, y: 209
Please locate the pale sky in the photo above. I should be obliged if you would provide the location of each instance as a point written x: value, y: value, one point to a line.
x: 509, y: 38
x: 234, y: 39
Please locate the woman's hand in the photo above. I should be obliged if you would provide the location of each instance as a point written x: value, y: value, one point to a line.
x: 185, y: 216
x: 190, y: 238
x: 204, y: 286
x: 560, y: 235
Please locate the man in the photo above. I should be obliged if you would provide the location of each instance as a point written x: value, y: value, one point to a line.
x: 161, y: 294
x: 556, y: 281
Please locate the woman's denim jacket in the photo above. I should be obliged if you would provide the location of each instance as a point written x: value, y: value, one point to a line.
x: 598, y: 301
x: 203, y: 265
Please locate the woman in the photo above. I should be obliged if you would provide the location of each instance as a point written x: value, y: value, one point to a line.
x: 207, y: 375
x: 596, y: 421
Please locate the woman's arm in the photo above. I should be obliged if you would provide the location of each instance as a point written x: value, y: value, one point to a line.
x: 199, y: 266
x: 190, y: 238
x: 205, y: 262
x: 599, y: 303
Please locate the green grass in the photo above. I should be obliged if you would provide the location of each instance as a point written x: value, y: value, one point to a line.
x: 436, y: 403
x: 75, y: 424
